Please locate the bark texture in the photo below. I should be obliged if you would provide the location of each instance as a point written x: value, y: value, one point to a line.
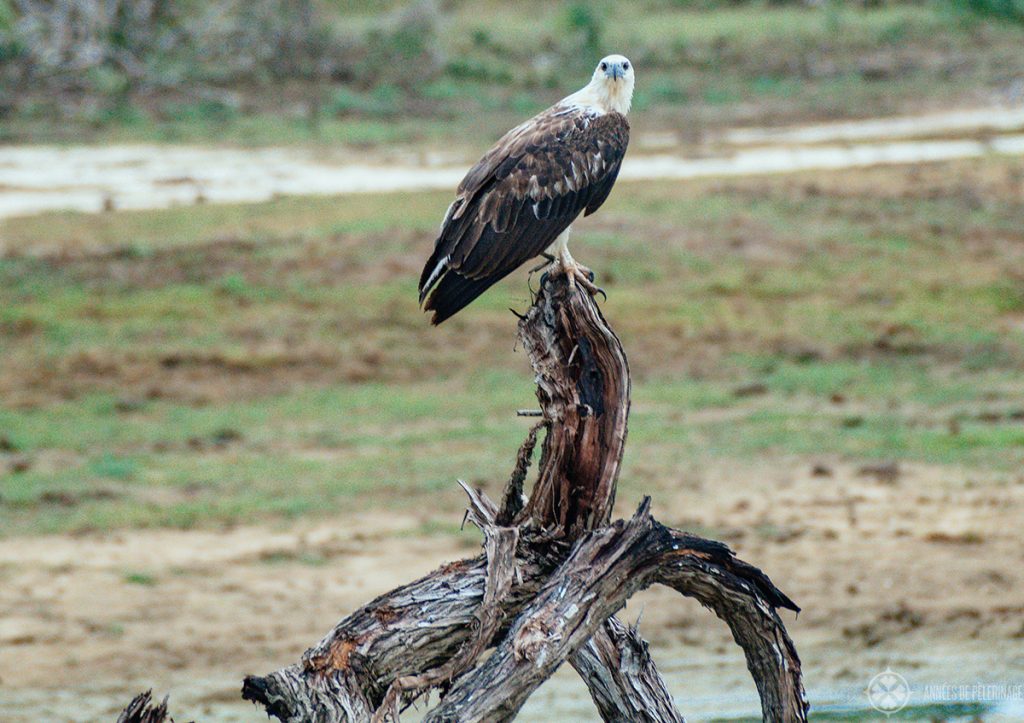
x: 583, y: 387
x: 553, y: 573
x: 623, y: 680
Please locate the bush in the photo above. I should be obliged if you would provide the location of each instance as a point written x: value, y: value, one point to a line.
x: 402, y: 50
x: 586, y: 23
x: 1006, y: 10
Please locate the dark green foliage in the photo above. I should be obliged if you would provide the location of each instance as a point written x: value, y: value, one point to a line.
x: 401, y: 50
x: 1007, y: 10
x: 301, y: 69
x: 586, y: 22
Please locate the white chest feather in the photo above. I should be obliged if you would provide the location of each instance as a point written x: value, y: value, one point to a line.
x: 600, y: 97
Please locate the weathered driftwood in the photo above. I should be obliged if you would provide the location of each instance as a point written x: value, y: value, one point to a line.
x: 604, y: 569
x: 553, y: 574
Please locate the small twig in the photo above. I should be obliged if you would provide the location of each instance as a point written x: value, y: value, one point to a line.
x: 481, y: 511
x: 142, y: 709
x: 512, y: 498
x: 529, y: 413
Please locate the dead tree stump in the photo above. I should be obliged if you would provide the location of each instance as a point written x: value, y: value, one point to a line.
x: 553, y: 573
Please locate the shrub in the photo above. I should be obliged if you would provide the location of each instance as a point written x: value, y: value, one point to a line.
x: 1006, y: 10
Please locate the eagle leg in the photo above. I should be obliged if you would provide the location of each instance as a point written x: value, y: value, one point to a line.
x: 548, y: 260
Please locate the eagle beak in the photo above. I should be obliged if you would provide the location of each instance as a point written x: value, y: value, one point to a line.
x: 615, y: 71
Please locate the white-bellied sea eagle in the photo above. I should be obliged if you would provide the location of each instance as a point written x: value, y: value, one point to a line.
x: 523, y: 195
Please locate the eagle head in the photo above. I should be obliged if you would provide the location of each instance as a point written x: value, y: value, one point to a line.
x: 613, y: 83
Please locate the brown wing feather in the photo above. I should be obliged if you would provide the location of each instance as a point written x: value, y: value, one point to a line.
x: 518, y: 198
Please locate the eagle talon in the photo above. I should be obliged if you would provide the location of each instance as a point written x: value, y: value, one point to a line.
x: 578, y: 274
x: 585, y: 278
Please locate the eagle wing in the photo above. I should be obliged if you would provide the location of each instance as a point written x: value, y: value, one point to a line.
x: 518, y: 198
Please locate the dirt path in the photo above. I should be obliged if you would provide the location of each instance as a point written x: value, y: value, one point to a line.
x: 917, y: 568
x: 34, y: 179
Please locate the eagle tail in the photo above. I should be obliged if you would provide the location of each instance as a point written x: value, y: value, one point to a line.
x: 454, y: 293
x: 431, y: 270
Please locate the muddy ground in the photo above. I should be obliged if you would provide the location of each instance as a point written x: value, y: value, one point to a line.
x: 911, y: 567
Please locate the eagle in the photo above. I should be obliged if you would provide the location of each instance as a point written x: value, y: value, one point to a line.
x: 520, y: 199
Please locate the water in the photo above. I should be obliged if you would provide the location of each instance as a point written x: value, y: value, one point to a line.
x: 35, y: 179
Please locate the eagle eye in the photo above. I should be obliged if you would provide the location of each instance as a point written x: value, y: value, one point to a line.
x: 604, y: 65
x: 625, y: 66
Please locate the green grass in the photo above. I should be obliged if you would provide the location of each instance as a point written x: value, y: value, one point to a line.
x: 222, y: 364
x: 140, y: 578
x: 257, y: 128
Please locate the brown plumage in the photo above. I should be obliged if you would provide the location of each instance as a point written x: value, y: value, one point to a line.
x: 519, y: 197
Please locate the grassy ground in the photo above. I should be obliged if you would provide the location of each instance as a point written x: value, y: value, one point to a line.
x: 218, y: 364
x: 698, y: 68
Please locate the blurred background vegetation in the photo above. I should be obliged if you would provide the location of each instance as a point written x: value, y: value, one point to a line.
x: 253, y: 71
